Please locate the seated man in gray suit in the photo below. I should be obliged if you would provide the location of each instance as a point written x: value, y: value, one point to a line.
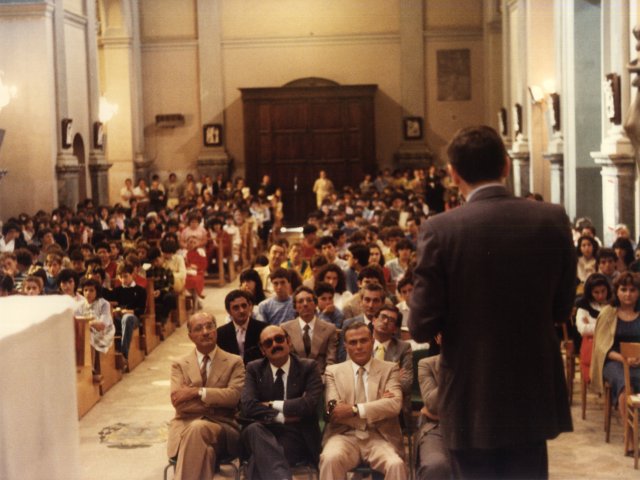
x: 280, y: 399
x: 364, y: 399
x: 311, y: 337
x: 433, y: 457
x: 388, y: 347
x: 205, y: 389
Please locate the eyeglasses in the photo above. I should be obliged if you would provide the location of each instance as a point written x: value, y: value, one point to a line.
x: 201, y: 326
x: 387, y: 318
x: 276, y: 339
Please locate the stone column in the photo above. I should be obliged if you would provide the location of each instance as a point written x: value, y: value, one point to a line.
x: 618, y: 196
x: 412, y: 153
x: 68, y: 184
x: 556, y: 160
x: 99, y: 172
x: 521, y: 171
x: 211, y: 160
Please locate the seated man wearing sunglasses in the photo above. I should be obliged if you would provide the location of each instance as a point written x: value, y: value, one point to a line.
x: 280, y: 399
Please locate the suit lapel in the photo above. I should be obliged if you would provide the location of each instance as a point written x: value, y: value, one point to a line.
x: 218, y: 365
x: 193, y: 369
x: 296, y: 337
x: 292, y: 379
x: 347, y: 382
x: 316, y: 340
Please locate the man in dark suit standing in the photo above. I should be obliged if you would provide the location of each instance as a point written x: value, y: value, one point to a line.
x: 494, y: 276
x: 241, y: 335
x: 280, y: 396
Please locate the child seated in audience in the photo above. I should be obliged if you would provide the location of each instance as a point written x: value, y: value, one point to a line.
x: 139, y: 276
x: 405, y: 289
x: 130, y: 300
x: 279, y: 308
x: 196, y: 264
x: 607, y: 259
x: 6, y: 286
x: 68, y: 281
x: 233, y: 231
x: 164, y: 296
x: 174, y: 262
x: 587, y: 253
x: 326, y: 308
x: 597, y: 294
x: 110, y: 266
x: 102, y: 328
x: 52, y: 266
x: 33, y: 285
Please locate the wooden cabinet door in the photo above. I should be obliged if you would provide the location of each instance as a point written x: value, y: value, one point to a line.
x: 293, y: 133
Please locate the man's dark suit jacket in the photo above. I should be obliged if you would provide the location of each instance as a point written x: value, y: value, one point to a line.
x: 228, y: 342
x: 304, y: 389
x: 494, y: 276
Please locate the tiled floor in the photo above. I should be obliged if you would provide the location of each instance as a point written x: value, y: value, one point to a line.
x: 124, y: 436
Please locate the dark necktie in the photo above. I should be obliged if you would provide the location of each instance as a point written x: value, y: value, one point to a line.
x: 306, y: 339
x: 278, y: 386
x: 203, y: 370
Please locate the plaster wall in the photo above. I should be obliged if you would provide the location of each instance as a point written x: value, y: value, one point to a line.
x: 77, y: 76
x: 458, y: 14
x: 30, y: 143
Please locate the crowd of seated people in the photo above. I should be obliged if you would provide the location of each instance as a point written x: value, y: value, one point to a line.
x: 607, y: 311
x: 314, y: 316
x: 339, y: 294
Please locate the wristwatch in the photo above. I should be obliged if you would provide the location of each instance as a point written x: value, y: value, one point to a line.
x: 354, y: 409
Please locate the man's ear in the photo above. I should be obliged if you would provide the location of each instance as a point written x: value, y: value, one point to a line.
x: 455, y: 177
x: 507, y: 166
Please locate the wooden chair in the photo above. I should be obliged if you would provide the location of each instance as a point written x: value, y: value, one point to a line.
x: 87, y: 387
x: 607, y: 411
x: 218, y: 279
x: 632, y: 402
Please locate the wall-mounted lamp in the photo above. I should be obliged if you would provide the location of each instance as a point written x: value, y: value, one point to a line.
x: 537, y: 94
x: 6, y: 92
x: 106, y: 110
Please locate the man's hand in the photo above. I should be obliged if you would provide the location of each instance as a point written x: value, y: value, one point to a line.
x: 388, y: 394
x: 425, y: 411
x: 184, y: 394
x: 156, y: 293
x: 341, y: 411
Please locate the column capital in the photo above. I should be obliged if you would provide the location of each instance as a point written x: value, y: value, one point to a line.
x: 619, y: 161
x: 555, y: 159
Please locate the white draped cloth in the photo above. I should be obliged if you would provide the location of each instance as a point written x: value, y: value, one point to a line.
x: 39, y: 434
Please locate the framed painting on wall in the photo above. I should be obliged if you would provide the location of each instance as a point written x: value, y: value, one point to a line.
x: 412, y: 128
x: 212, y: 135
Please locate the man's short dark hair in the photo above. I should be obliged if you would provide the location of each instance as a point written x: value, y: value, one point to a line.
x: 373, y: 287
x: 404, y: 244
x: 304, y: 288
x: 68, y: 274
x: 355, y: 326
x: 280, y: 273
x: 477, y: 154
x: 607, y: 253
x: 323, y: 287
x: 234, y: 295
x: 372, y: 271
x: 325, y: 240
x: 308, y: 229
x: 360, y: 253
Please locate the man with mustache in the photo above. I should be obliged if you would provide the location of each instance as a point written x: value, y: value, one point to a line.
x: 205, y: 389
x: 280, y: 399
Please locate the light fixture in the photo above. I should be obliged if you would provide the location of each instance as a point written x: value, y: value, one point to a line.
x: 537, y: 94
x: 6, y: 92
x: 106, y: 109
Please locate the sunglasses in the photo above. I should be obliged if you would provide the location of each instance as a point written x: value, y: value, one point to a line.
x: 276, y: 339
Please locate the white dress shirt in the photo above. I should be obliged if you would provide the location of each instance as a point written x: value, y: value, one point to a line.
x: 279, y: 404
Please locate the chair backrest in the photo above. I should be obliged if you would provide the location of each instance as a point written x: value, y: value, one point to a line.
x: 628, y: 350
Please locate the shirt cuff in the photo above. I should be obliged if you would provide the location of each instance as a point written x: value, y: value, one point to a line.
x: 362, y: 413
x: 203, y: 393
x: 278, y: 405
x: 279, y: 418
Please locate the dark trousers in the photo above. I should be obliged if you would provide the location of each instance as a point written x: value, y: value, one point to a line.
x: 271, y: 449
x: 125, y: 328
x: 522, y: 462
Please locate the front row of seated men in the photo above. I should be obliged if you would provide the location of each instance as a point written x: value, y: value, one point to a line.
x: 279, y: 397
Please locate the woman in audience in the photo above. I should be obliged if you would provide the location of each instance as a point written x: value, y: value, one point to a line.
x: 619, y: 322
x: 624, y: 252
x: 251, y: 282
x: 334, y: 276
x: 174, y: 262
x: 6, y: 286
x: 597, y: 294
x: 68, y: 281
x: 376, y: 257
x: 587, y: 253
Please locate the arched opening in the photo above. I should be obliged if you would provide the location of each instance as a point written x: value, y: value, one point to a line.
x: 84, y: 189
